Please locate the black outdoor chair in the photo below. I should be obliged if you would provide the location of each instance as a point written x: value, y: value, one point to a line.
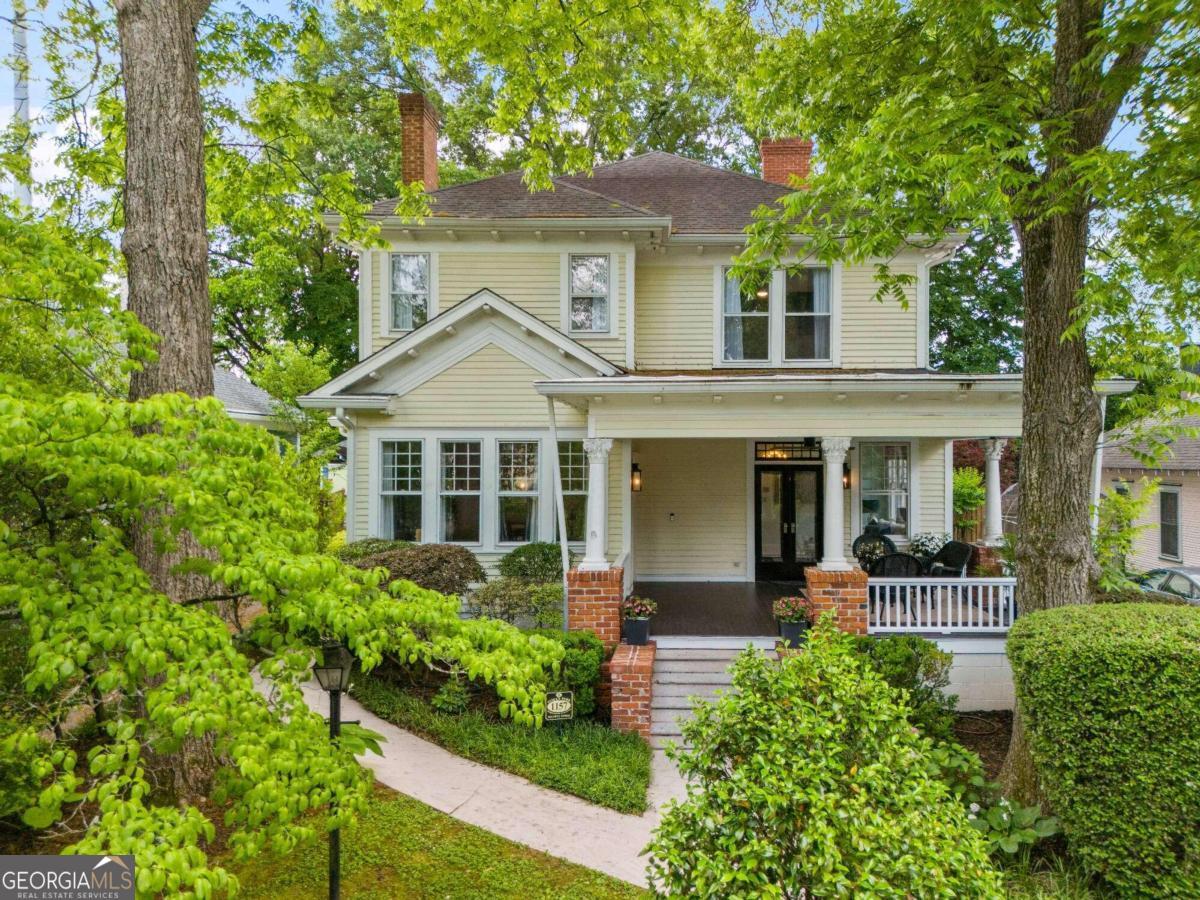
x: 951, y: 561
x: 897, y: 565
x: 878, y: 544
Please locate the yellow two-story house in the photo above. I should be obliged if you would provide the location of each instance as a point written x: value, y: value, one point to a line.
x: 589, y: 345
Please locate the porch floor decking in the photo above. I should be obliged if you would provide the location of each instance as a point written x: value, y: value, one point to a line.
x: 715, y: 608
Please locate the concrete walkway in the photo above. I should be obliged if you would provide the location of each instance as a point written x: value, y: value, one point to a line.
x: 508, y: 805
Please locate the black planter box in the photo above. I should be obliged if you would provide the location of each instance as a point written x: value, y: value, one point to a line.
x: 794, y: 634
x: 637, y: 631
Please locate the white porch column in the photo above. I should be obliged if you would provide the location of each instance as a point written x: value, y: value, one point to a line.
x: 834, y: 450
x: 597, y: 504
x: 993, y: 530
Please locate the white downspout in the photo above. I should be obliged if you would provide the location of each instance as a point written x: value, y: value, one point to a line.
x: 560, y: 508
x: 345, y: 425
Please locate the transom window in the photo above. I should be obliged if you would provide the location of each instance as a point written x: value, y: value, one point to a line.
x: 517, y: 491
x: 409, y: 290
x: 461, y: 487
x: 1169, y: 519
x: 787, y: 450
x: 746, y: 320
x: 884, y: 478
x: 779, y: 318
x: 589, y: 292
x: 401, y: 490
x: 573, y: 468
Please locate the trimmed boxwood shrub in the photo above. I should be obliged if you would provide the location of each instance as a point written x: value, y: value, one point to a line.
x: 580, y: 670
x: 445, y: 568
x: 367, y: 547
x: 517, y: 601
x: 538, y: 562
x: 807, y: 780
x: 922, y: 669
x: 1110, y: 696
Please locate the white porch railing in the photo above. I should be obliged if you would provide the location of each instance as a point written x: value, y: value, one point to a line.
x: 947, y: 605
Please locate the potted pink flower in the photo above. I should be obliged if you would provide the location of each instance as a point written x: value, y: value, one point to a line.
x: 794, y: 615
x: 637, y: 612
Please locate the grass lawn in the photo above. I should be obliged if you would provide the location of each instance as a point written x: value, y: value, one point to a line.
x: 403, y: 848
x: 1051, y: 877
x: 585, y: 759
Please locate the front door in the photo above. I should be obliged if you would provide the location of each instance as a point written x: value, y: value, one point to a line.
x: 787, y: 528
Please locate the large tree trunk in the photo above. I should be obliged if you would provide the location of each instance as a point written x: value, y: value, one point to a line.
x: 166, y: 240
x: 1061, y: 417
x: 166, y: 253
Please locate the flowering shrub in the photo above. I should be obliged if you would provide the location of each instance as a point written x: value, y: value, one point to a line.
x: 638, y: 608
x: 869, y: 551
x: 793, y: 609
x: 926, y: 544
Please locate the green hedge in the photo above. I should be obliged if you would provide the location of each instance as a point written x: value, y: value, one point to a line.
x: 1110, y: 696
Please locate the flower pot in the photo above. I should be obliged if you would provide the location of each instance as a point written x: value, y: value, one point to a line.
x: 637, y: 631
x: 793, y: 633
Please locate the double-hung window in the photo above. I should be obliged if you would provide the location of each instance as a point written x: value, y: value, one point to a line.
x: 409, y: 290
x: 1170, y: 511
x: 746, y: 319
x: 573, y: 469
x: 517, y: 491
x: 401, y: 490
x: 461, y: 489
x: 590, y: 278
x: 884, y: 481
x: 806, y: 315
x: 777, y: 319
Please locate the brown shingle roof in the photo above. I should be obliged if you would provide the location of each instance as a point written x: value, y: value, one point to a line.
x: 700, y: 199
x: 1183, y: 455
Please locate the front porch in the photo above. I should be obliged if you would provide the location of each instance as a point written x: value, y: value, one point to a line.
x: 715, y: 608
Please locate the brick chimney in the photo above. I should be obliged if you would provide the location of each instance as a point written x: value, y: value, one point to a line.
x: 784, y: 157
x: 419, y: 129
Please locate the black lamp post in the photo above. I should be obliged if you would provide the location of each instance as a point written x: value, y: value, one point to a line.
x: 334, y: 676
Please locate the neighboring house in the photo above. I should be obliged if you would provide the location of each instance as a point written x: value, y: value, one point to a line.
x: 249, y: 404
x: 705, y: 431
x: 1171, y: 536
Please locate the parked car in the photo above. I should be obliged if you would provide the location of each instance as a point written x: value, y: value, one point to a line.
x: 1181, y: 581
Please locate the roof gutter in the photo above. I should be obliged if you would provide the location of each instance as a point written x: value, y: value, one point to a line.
x: 687, y: 384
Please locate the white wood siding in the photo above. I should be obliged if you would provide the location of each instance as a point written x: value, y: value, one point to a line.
x: 673, y: 327
x: 931, y: 483
x: 703, y: 484
x: 877, y: 335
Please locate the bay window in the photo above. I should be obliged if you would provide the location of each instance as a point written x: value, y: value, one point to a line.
x: 517, y: 491
x: 884, y: 491
x: 573, y: 468
x: 461, y: 489
x: 409, y: 291
x: 401, y: 490
x: 590, y: 279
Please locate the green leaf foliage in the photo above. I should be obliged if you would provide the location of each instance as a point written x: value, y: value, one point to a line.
x: 922, y: 670
x: 520, y: 602
x: 1108, y: 694
x: 356, y: 550
x: 445, y: 568
x: 539, y: 562
x: 969, y: 493
x: 583, y: 655
x: 809, y: 781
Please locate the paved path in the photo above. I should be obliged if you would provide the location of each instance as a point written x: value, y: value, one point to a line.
x: 510, y: 806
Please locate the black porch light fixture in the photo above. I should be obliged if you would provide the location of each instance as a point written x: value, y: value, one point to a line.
x: 846, y: 475
x: 334, y: 677
x: 635, y: 477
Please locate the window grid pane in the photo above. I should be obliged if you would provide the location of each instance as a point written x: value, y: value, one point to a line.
x: 1168, y: 524
x: 883, y: 473
x: 401, y: 467
x: 461, y: 466
x: 807, y: 317
x: 518, y: 467
x: 746, y: 321
x: 573, y: 466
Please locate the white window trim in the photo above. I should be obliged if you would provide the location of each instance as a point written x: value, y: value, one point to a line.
x: 574, y: 545
x: 1177, y: 490
x: 777, y: 319
x: 914, y: 487
x: 565, y: 293
x: 536, y: 493
x: 431, y: 507
x: 385, y: 290
x: 481, y: 493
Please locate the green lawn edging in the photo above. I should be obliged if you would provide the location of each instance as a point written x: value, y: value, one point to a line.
x: 582, y: 758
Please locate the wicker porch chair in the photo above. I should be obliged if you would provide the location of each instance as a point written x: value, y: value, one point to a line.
x: 951, y: 561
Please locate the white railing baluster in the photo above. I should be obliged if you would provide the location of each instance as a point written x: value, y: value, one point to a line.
x: 945, y: 605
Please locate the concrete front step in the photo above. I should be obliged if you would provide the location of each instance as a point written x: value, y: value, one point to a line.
x: 659, y: 742
x: 716, y: 679
x: 663, y: 666
x: 692, y: 689
x: 701, y: 653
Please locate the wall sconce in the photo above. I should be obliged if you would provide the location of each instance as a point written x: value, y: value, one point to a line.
x: 635, y: 478
x: 846, y: 476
